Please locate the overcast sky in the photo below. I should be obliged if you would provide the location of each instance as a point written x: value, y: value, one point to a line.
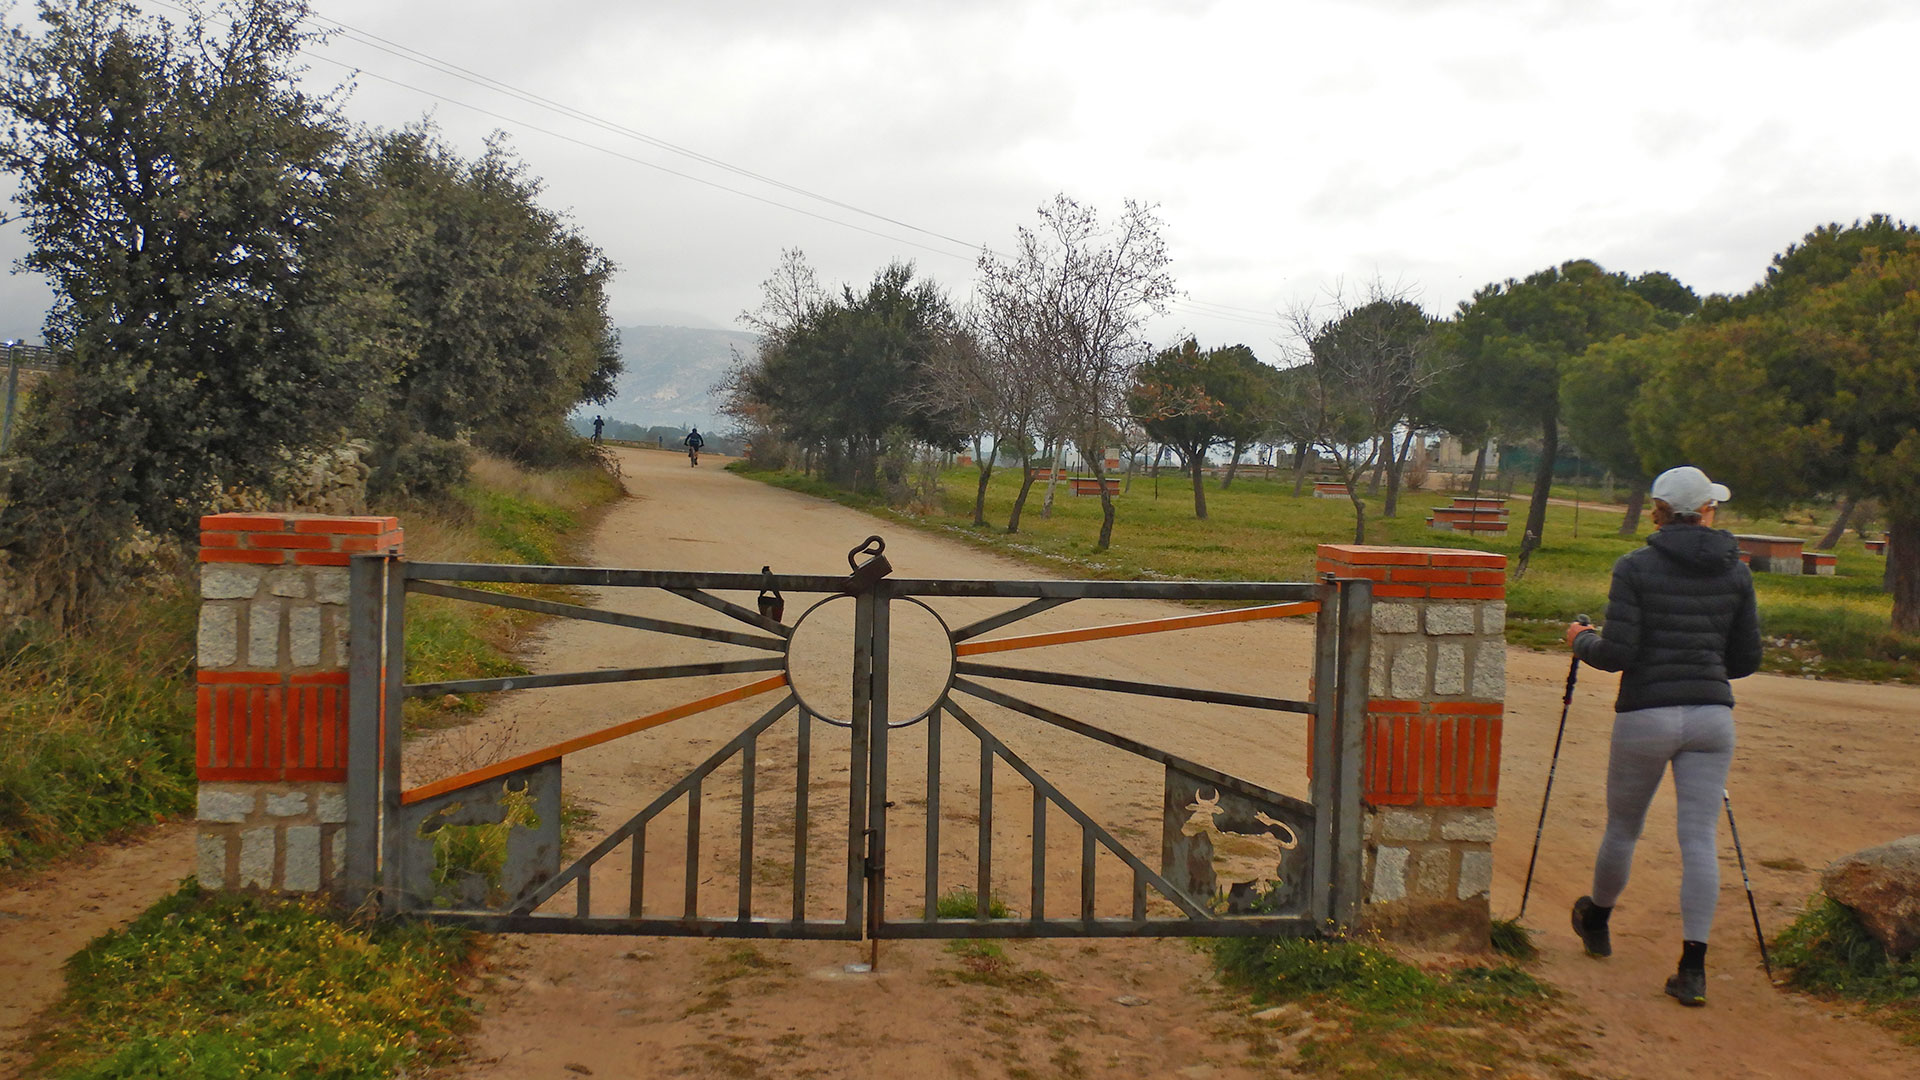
x: 1435, y: 144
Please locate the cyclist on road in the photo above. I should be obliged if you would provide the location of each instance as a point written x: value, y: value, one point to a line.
x: 599, y: 424
x: 694, y: 442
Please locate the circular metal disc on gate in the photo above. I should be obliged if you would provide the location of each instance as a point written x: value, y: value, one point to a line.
x: 919, y: 658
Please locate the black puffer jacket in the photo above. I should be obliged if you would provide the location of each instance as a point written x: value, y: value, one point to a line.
x: 1680, y: 622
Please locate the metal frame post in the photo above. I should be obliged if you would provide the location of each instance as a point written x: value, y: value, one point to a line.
x: 13, y: 391
x: 1325, y: 750
x: 393, y: 658
x: 365, y: 593
x: 1353, y: 681
x: 860, y: 741
x: 878, y: 613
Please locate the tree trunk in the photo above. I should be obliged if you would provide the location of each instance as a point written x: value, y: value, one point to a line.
x: 1479, y: 471
x: 1053, y: 473
x: 1839, y: 526
x: 1543, y: 479
x: 1099, y: 463
x: 1903, y: 567
x: 1299, y: 469
x: 1382, y: 450
x: 1159, y: 455
x: 1636, y: 501
x: 1026, y: 485
x: 1194, y: 462
x: 1395, y: 469
x: 1233, y: 465
x: 984, y: 462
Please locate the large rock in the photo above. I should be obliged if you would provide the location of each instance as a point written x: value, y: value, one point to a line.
x: 1882, y: 886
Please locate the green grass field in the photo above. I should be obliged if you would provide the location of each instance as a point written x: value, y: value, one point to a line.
x: 1835, y: 627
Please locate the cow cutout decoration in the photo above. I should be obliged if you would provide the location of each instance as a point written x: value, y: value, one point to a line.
x: 1232, y: 850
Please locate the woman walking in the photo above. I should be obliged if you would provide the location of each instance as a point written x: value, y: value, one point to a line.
x: 1680, y: 623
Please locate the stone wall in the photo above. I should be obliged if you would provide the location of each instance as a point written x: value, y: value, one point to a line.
x: 1431, y: 772
x: 271, y: 734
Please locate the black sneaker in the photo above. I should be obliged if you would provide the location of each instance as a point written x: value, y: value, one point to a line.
x: 1688, y: 986
x: 1596, y: 939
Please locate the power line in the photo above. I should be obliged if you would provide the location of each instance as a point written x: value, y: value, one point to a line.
x: 629, y: 157
x: 532, y: 99
x: 405, y: 52
x: 447, y: 67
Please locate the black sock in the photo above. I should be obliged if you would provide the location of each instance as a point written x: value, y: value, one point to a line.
x: 1693, y: 956
x: 1597, y: 916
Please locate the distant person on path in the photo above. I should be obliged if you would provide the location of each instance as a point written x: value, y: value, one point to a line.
x: 694, y: 442
x: 598, y: 424
x: 1681, y: 622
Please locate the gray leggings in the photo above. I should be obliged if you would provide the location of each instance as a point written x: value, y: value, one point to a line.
x: 1698, y: 740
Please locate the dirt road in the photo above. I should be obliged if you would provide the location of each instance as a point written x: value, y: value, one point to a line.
x: 1823, y: 769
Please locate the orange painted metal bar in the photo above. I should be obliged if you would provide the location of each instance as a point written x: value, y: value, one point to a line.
x: 581, y: 742
x: 1148, y: 626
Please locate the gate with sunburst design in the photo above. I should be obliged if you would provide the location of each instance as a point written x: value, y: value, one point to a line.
x: 923, y: 758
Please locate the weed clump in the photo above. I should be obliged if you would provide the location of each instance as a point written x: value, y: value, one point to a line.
x: 224, y: 984
x: 1827, y: 952
x: 1370, y: 1013
x: 965, y: 904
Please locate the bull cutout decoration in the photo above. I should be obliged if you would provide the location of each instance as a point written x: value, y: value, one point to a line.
x: 1239, y: 852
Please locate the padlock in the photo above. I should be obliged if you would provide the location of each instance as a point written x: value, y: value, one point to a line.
x: 772, y: 604
x: 866, y: 574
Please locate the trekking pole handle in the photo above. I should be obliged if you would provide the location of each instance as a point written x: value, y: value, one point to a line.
x: 1573, y: 670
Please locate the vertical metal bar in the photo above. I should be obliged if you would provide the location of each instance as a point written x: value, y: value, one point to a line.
x: 1139, y: 897
x: 1086, y: 874
x: 1325, y: 750
x: 983, y: 880
x: 583, y: 893
x: 877, y: 715
x: 933, y: 816
x: 637, y: 884
x: 13, y: 391
x: 857, y: 768
x: 748, y: 756
x: 802, y: 775
x: 364, y: 589
x: 1356, y: 621
x: 1039, y: 912
x: 394, y: 667
x: 693, y: 851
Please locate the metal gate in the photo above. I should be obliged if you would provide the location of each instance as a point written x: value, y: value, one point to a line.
x: 1233, y: 857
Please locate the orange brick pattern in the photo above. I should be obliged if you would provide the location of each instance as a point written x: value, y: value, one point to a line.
x: 265, y: 727
x: 1418, y: 754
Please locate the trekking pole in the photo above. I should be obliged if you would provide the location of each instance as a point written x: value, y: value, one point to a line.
x: 1566, y: 703
x: 1765, y: 960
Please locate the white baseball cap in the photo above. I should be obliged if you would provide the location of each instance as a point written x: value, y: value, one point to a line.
x: 1687, y: 489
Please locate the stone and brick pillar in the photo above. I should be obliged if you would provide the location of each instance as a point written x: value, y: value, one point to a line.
x: 272, y: 728
x: 1430, y: 776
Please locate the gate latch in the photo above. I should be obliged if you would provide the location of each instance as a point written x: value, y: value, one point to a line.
x: 772, y: 604
x: 866, y: 574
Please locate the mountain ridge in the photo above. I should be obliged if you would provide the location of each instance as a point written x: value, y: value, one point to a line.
x: 671, y: 371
